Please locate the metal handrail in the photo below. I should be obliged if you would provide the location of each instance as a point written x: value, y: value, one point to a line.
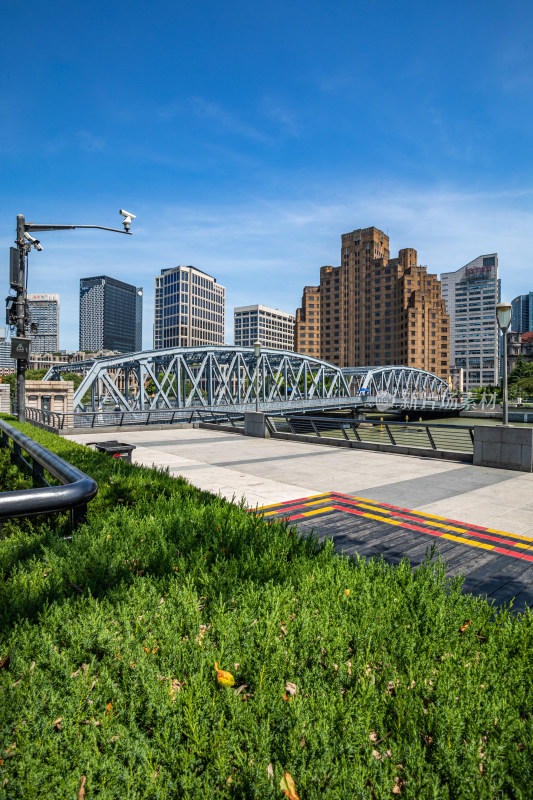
x: 434, y: 436
x: 117, y: 419
x: 76, y: 491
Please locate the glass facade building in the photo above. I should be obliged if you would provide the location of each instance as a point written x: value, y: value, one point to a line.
x: 269, y: 326
x: 189, y: 308
x: 44, y: 313
x: 110, y: 315
x: 471, y: 295
x: 522, y: 319
x: 7, y: 364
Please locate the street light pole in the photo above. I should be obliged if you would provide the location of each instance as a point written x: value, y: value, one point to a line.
x: 257, y: 352
x: 19, y: 281
x: 503, y: 315
x: 21, y: 318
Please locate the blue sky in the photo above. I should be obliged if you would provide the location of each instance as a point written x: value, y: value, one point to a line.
x: 248, y: 136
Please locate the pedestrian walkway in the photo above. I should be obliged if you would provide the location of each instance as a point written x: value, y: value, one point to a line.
x: 265, y: 471
x: 369, y: 503
x: 494, y: 564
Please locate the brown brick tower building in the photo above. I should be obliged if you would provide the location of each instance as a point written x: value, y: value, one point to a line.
x: 375, y: 310
x: 307, y: 326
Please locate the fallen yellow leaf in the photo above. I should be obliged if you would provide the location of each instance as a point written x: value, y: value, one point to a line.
x: 223, y: 677
x: 287, y: 785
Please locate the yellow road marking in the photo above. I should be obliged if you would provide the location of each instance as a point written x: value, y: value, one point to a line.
x: 514, y: 535
x: 372, y: 508
x: 374, y: 505
x: 289, y: 509
x: 317, y: 511
x: 436, y: 516
x: 467, y: 541
x: 288, y: 502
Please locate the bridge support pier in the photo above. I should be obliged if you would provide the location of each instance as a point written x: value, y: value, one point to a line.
x: 255, y: 425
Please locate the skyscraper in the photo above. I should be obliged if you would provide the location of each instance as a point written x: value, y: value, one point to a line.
x: 522, y: 320
x: 44, y: 314
x: 375, y: 310
x: 307, y: 325
x: 7, y: 364
x: 471, y: 294
x: 110, y: 315
x: 259, y: 323
x: 189, y: 308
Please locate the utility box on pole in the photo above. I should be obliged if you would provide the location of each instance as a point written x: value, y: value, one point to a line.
x: 16, y: 274
x: 20, y: 348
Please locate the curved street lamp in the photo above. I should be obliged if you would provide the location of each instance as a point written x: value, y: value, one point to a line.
x: 503, y: 315
x: 17, y: 308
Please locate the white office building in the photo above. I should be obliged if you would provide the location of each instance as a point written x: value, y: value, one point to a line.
x: 44, y: 322
x: 269, y: 326
x: 7, y: 364
x: 471, y: 294
x: 189, y: 309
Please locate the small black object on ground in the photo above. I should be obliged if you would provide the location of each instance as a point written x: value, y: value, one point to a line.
x: 115, y: 449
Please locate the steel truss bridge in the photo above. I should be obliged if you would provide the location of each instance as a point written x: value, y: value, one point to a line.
x: 232, y: 378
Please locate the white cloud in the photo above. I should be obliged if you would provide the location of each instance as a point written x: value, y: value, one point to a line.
x: 224, y: 119
x: 284, y: 117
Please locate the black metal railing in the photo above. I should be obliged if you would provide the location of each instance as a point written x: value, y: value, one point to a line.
x: 53, y: 420
x: 433, y: 436
x: 75, y: 491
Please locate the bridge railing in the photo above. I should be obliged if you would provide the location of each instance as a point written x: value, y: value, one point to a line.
x: 423, y: 435
x: 76, y: 489
x: 53, y: 420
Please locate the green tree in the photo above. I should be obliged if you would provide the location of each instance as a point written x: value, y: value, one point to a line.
x: 520, y: 379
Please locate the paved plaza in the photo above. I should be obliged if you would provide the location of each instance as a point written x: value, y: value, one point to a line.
x: 267, y: 471
x: 370, y: 503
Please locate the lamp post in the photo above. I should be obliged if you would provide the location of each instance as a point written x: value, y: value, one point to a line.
x: 17, y: 308
x: 257, y: 353
x: 503, y: 315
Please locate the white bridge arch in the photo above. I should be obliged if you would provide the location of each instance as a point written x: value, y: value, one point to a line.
x: 232, y: 378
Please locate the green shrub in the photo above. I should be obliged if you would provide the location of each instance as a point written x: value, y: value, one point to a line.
x: 112, y: 636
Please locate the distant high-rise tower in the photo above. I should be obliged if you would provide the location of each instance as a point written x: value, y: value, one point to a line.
x: 522, y: 320
x: 271, y: 327
x: 110, y: 315
x: 375, y: 310
x: 189, y: 308
x: 307, y: 325
x: 471, y: 294
x: 44, y: 314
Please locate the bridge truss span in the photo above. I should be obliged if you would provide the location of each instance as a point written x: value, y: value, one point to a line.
x: 400, y: 387
x: 233, y: 378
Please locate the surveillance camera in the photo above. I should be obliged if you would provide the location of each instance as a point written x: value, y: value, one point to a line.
x: 34, y: 242
x: 128, y: 217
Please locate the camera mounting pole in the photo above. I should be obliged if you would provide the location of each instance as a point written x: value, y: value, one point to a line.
x: 19, y: 280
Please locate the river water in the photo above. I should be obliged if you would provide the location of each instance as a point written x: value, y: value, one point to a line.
x: 415, y: 416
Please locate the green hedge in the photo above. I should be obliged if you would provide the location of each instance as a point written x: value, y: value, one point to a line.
x: 116, y: 631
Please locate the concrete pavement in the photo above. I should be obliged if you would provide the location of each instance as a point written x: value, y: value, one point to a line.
x: 268, y: 471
